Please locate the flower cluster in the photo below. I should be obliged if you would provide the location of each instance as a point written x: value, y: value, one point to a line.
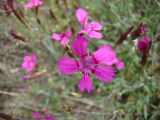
x: 143, y: 44
x: 100, y: 63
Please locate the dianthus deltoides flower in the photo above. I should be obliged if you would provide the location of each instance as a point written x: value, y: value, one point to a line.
x: 99, y: 63
x: 33, y: 3
x: 29, y: 62
x: 91, y: 29
x: 63, y: 37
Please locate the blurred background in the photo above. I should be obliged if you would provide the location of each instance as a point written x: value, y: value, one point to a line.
x: 133, y: 94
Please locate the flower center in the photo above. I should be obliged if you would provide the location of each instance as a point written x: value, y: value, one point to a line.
x: 86, y: 65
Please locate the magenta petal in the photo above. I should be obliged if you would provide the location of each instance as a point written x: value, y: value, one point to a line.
x: 95, y: 25
x: 64, y: 41
x: 85, y: 83
x: 119, y: 64
x: 94, y: 34
x: 68, y: 34
x: 56, y: 36
x: 37, y: 2
x: 82, y: 16
x: 68, y: 65
x: 33, y: 3
x: 144, y: 45
x: 36, y: 114
x: 82, y: 31
x: 105, y: 55
x: 104, y: 73
x: 34, y: 58
x: 29, y: 62
x: 26, y: 58
x: 27, y: 66
x: 79, y: 46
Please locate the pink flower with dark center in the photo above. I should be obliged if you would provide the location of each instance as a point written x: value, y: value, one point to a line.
x: 88, y: 28
x: 33, y: 3
x: 63, y: 38
x: 29, y: 62
x: 144, y: 47
x: 99, y: 63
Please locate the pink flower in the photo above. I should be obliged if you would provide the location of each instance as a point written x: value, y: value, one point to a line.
x: 63, y: 38
x: 99, y: 63
x: 91, y: 28
x: 144, y: 47
x: 39, y: 116
x: 29, y: 62
x: 33, y: 3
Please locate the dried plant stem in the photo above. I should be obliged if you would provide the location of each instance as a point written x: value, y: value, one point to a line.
x: 8, y: 93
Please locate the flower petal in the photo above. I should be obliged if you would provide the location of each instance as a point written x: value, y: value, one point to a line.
x: 144, y: 45
x: 26, y: 58
x: 85, y: 83
x: 33, y: 3
x: 64, y: 41
x: 104, y: 73
x: 36, y: 114
x: 34, y: 58
x: 94, y: 34
x: 79, y: 46
x: 82, y: 16
x: 68, y: 34
x: 67, y: 65
x: 82, y: 31
x: 104, y: 54
x: 56, y: 36
x: 119, y: 64
x: 95, y: 25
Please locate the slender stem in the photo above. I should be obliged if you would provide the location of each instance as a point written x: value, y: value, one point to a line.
x: 8, y: 93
